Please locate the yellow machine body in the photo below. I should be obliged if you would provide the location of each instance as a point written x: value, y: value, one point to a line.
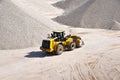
x: 51, y: 44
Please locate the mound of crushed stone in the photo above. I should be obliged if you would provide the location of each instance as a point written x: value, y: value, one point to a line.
x: 90, y: 13
x: 22, y: 25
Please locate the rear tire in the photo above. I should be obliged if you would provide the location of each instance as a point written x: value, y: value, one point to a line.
x: 81, y: 42
x: 59, y: 49
x: 72, y: 46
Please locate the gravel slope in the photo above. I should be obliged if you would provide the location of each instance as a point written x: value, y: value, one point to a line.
x: 23, y: 23
x: 90, y: 13
x: 98, y: 59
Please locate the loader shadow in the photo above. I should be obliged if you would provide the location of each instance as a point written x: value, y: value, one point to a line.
x: 38, y: 54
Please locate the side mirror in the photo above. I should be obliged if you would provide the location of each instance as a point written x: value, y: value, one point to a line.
x: 69, y: 35
x: 63, y: 34
x: 52, y: 35
x: 48, y: 35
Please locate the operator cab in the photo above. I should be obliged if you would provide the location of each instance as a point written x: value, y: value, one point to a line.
x: 59, y: 34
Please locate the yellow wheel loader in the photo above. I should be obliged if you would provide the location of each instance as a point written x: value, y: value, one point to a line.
x: 57, y: 42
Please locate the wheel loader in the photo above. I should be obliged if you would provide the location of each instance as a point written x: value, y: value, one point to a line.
x: 57, y: 42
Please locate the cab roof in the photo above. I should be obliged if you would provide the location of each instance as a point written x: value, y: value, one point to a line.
x: 59, y: 31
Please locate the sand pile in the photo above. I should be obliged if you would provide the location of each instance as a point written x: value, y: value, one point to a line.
x: 22, y: 23
x: 90, y: 13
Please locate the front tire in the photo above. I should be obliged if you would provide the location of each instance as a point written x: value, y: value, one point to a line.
x: 59, y: 49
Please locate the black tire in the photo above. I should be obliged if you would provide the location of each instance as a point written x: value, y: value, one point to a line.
x: 80, y: 44
x: 59, y: 49
x: 72, y: 46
